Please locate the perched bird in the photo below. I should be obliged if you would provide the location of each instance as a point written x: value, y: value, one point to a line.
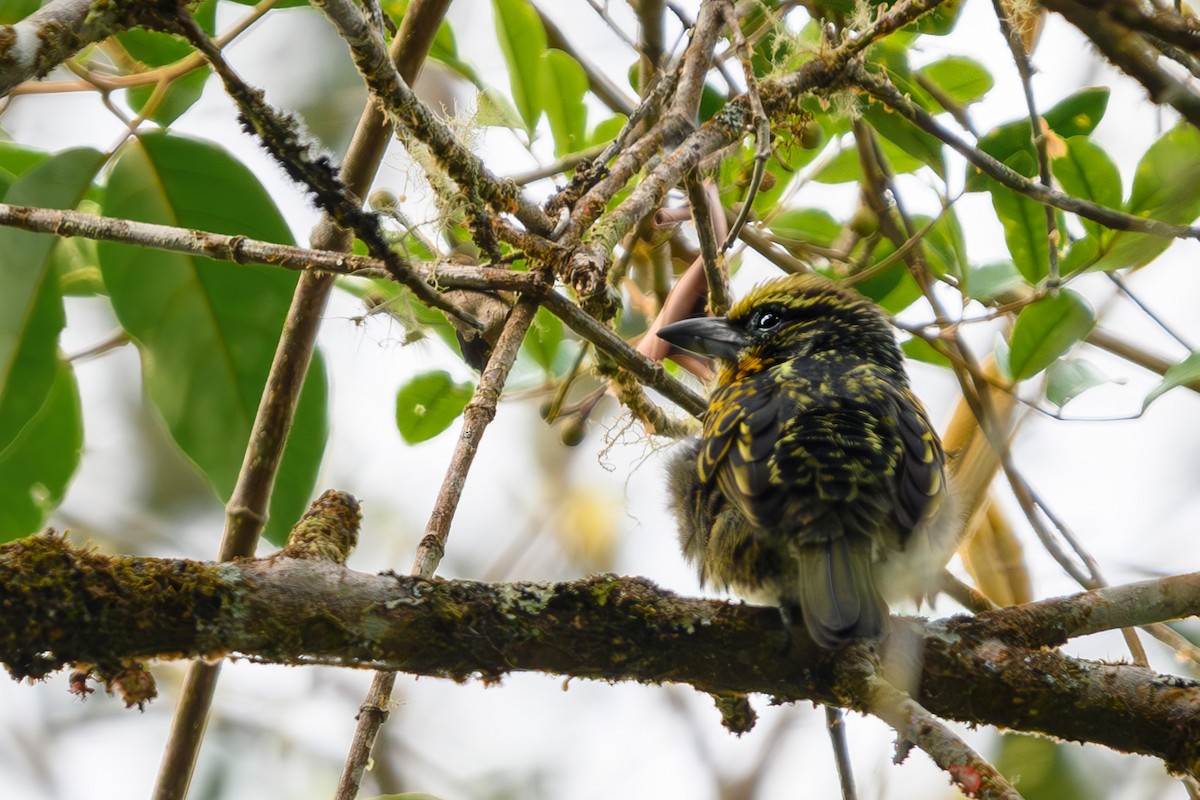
x: 817, y: 484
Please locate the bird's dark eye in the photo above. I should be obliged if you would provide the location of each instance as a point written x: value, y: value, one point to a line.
x: 766, y: 320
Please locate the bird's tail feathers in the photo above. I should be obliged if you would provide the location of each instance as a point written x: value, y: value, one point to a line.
x: 838, y: 598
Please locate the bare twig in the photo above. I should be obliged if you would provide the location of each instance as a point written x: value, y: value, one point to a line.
x: 479, y: 412
x: 1110, y: 218
x: 969, y: 770
x: 719, y: 298
x: 1013, y: 37
x: 762, y: 124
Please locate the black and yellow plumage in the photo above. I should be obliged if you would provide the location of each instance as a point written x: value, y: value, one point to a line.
x: 817, y: 467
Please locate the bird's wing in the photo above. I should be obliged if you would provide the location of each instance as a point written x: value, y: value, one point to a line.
x: 920, y: 474
x: 789, y: 461
x: 741, y: 429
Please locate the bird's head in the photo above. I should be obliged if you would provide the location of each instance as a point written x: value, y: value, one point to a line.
x: 798, y: 317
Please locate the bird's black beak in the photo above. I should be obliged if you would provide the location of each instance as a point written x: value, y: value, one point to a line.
x: 705, y: 336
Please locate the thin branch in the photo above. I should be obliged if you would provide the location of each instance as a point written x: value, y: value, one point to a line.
x: 969, y: 770
x: 373, y: 712
x: 241, y: 250
x: 247, y: 508
x: 886, y: 93
x: 762, y: 125
x: 599, y: 83
x: 405, y: 110
x: 1129, y: 51
x: 480, y: 411
x: 1036, y: 130
x: 715, y: 270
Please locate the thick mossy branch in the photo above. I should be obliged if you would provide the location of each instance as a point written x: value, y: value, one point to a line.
x: 64, y: 605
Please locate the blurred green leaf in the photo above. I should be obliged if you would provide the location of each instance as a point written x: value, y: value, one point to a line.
x: 989, y: 283
x: 13, y: 11
x: 892, y: 288
x: 1081, y: 254
x: 31, y: 306
x: 523, y: 41
x: 1047, y: 329
x: 1166, y: 187
x: 1185, y: 372
x: 16, y: 159
x: 41, y: 428
x: 941, y: 20
x: 920, y: 350
x: 845, y: 167
x: 1085, y: 171
x: 37, y: 464
x: 207, y: 330
x: 1076, y: 115
x: 806, y: 225
x: 908, y: 137
x: 1024, y: 222
x: 545, y: 339
x: 444, y: 50
x: 563, y: 84
x: 964, y: 80
x: 1071, y: 377
x: 1046, y: 770
x: 712, y: 100
x: 496, y: 110
x: 428, y: 404
x: 157, y: 49
x: 607, y: 129
x: 945, y: 247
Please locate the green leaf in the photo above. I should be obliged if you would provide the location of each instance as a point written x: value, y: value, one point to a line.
x: 495, y: 110
x: 945, y: 247
x: 13, y: 11
x: 545, y: 339
x: 908, y: 137
x: 1024, y: 222
x: 1076, y: 115
x: 37, y: 464
x: 1166, y: 187
x: 523, y: 40
x: 989, y: 283
x: 15, y: 159
x: 894, y: 288
x: 964, y: 80
x: 806, y: 225
x: 940, y: 21
x: 918, y: 349
x: 564, y: 84
x: 1047, y: 770
x: 1085, y: 171
x: 712, y: 100
x: 156, y: 49
x: 31, y: 307
x: 1184, y: 373
x: 1081, y: 254
x: 845, y: 167
x: 207, y: 330
x: 1047, y: 329
x: 607, y: 129
x: 1071, y: 377
x: 444, y: 50
x: 428, y: 404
